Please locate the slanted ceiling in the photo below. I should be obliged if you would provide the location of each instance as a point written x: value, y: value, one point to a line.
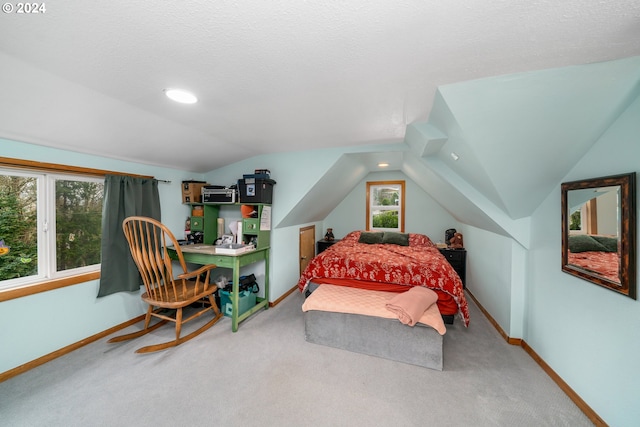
x: 515, y: 136
x: 287, y: 75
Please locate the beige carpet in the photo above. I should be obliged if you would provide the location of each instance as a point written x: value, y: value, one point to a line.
x: 267, y: 374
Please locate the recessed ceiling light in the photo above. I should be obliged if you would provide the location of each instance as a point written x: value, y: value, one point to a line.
x: 383, y: 165
x: 454, y: 156
x: 181, y: 96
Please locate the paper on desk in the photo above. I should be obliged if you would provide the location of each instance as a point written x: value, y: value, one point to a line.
x: 265, y: 218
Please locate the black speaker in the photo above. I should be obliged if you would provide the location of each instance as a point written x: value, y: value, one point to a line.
x: 449, y: 234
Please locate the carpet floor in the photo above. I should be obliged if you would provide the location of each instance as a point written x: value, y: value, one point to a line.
x: 267, y: 374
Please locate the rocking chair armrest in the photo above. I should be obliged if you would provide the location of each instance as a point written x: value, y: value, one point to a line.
x: 195, y: 273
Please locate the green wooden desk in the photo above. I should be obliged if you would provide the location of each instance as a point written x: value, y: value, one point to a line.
x: 234, y: 262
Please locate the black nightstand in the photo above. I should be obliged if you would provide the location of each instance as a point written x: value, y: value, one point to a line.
x: 458, y: 260
x: 321, y: 245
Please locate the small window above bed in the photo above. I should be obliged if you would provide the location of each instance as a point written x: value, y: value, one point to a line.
x: 385, y: 206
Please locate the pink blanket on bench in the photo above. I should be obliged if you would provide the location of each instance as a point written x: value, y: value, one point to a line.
x: 342, y: 299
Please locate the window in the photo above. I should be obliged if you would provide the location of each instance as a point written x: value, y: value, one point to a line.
x: 385, y: 205
x: 50, y: 225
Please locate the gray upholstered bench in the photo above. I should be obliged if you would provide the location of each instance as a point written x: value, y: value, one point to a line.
x: 384, y: 337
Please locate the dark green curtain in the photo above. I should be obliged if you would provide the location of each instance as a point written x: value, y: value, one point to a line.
x: 124, y: 196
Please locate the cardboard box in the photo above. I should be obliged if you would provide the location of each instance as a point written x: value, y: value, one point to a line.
x: 192, y: 191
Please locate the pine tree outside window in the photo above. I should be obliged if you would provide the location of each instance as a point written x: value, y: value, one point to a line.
x: 50, y: 226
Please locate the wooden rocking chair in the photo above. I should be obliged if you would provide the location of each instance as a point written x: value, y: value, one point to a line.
x: 148, y: 241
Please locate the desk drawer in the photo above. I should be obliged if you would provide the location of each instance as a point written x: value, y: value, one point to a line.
x: 250, y: 225
x: 221, y: 260
x: 197, y: 223
x: 227, y: 261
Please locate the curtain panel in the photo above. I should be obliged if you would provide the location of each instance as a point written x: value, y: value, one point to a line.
x: 124, y: 196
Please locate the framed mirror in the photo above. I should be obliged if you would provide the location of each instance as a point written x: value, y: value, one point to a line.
x: 599, y: 231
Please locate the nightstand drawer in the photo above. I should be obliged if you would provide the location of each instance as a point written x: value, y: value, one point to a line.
x: 453, y: 255
x: 455, y: 263
x: 458, y: 260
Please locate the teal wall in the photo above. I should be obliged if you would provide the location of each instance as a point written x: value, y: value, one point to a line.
x: 422, y: 213
x: 37, y: 325
x: 295, y: 174
x: 586, y: 333
x: 489, y: 272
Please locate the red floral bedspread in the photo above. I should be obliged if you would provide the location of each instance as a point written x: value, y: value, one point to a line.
x: 604, y: 264
x: 419, y: 264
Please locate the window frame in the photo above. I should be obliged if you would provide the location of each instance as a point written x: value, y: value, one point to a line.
x: 400, y: 208
x: 44, y: 284
x: 52, y: 216
x: 46, y: 231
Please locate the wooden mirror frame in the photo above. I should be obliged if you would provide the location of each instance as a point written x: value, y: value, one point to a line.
x: 627, y: 236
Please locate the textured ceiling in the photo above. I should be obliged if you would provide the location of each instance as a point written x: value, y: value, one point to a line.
x: 272, y: 76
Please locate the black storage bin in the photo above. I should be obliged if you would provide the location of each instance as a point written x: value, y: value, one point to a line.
x: 254, y: 190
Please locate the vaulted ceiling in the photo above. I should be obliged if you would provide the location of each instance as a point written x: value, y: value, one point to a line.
x: 502, y: 84
x: 273, y: 76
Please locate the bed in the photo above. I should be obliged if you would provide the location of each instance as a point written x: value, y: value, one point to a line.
x: 391, y: 262
x: 597, y: 254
